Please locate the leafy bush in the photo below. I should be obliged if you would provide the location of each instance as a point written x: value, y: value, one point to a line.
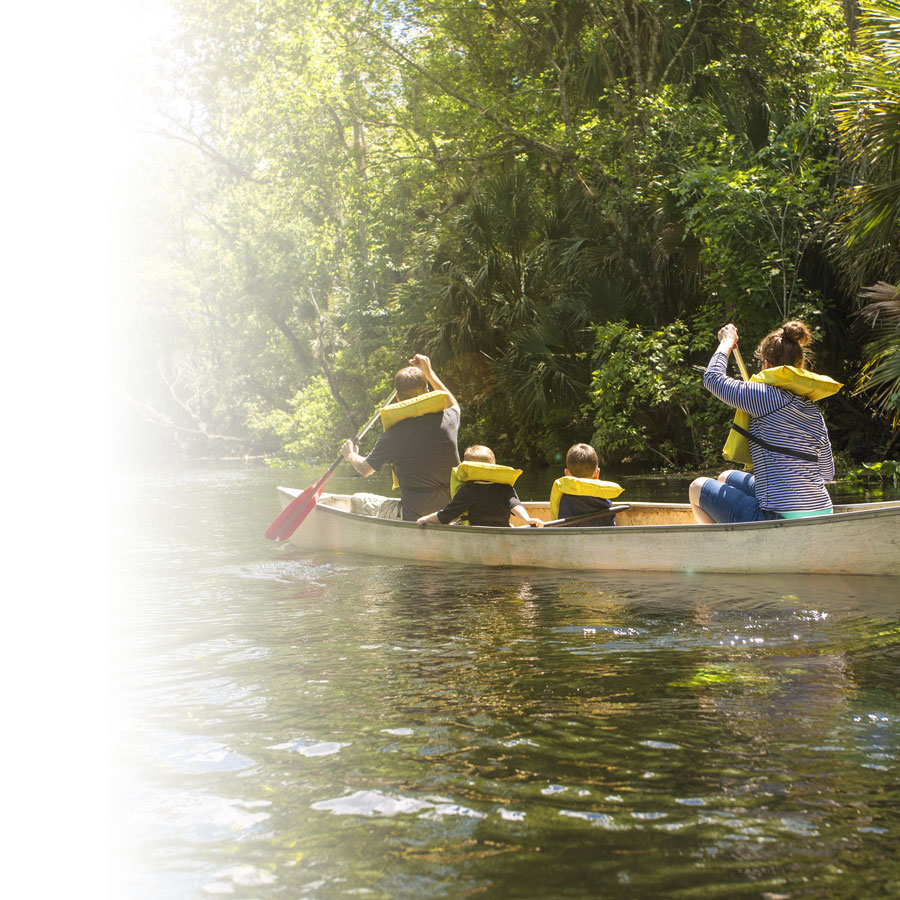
x: 886, y: 471
x: 648, y: 400
x: 312, y: 428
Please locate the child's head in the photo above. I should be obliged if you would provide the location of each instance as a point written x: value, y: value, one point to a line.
x: 479, y: 453
x: 410, y: 382
x: 581, y: 461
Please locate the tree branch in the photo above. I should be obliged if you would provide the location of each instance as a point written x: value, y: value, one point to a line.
x: 326, y: 368
x: 192, y: 139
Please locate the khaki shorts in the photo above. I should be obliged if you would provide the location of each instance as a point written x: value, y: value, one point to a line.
x: 375, y: 505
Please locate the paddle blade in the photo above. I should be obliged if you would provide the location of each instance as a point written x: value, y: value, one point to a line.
x: 291, y: 517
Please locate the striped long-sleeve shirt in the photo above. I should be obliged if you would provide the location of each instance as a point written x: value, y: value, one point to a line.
x: 782, y: 419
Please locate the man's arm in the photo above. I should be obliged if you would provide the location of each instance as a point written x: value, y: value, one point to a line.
x: 350, y: 452
x: 424, y: 363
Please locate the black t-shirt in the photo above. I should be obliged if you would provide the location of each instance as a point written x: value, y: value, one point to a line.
x: 422, y: 451
x: 578, y: 504
x: 487, y: 504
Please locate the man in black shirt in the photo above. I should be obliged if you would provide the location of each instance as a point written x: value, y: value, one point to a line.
x: 421, y: 449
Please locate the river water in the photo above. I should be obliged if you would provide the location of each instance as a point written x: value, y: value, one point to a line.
x: 291, y: 725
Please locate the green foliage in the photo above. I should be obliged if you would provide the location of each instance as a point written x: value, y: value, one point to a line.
x: 757, y: 219
x: 886, y: 471
x: 310, y: 429
x: 879, y: 378
x: 512, y: 318
x: 492, y: 185
x: 643, y: 393
x: 868, y: 118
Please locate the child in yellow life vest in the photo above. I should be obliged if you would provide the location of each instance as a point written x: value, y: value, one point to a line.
x: 580, y: 490
x: 483, y: 493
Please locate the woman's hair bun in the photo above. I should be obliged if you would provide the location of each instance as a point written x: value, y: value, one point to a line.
x: 796, y: 332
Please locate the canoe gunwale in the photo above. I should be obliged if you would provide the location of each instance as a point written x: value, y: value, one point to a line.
x: 866, y: 510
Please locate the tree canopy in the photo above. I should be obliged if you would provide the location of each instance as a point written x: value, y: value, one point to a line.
x: 559, y: 202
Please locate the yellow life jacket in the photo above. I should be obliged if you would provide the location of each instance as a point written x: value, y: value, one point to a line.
x: 789, y: 378
x: 433, y: 401
x: 583, y: 487
x: 479, y: 471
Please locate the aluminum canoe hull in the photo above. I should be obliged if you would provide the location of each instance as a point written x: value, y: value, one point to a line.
x: 860, y: 539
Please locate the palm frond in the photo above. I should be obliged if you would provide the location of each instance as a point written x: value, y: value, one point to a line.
x: 880, y: 375
x: 868, y: 120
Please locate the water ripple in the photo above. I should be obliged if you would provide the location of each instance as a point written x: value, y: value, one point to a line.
x: 312, y: 748
x: 376, y: 803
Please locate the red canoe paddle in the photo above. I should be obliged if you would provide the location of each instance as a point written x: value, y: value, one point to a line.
x: 292, y: 516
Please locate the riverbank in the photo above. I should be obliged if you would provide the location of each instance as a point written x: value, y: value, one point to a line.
x: 664, y: 487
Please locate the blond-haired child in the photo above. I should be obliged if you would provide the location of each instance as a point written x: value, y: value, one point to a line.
x: 484, y: 502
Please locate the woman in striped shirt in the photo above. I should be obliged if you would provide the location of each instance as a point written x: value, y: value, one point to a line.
x: 789, y: 443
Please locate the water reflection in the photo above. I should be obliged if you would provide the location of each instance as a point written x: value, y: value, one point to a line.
x: 313, y: 725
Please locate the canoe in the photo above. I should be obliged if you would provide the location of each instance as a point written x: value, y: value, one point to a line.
x: 859, y: 539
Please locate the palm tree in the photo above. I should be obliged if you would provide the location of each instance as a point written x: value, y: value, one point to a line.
x: 868, y: 119
x: 515, y: 301
x: 880, y: 376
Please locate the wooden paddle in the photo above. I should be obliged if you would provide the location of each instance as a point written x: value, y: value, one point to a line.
x: 292, y: 516
x: 589, y: 515
x: 740, y: 361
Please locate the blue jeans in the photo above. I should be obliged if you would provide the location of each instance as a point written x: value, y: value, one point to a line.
x: 733, y: 500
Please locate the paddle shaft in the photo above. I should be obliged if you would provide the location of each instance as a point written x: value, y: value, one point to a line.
x: 374, y: 418
x: 740, y: 361
x: 737, y: 358
x: 589, y: 515
x: 360, y: 436
x: 291, y: 517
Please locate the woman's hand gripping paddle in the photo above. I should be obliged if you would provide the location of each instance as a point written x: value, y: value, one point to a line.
x: 292, y: 516
x: 729, y: 331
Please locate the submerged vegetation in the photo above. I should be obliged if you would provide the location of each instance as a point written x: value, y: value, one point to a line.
x: 560, y: 203
x: 886, y: 472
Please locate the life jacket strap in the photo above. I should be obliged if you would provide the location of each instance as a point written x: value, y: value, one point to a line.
x: 786, y: 451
